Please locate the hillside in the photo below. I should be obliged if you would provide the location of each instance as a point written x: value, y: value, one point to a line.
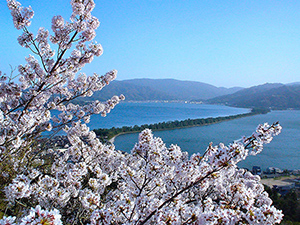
x: 161, y: 89
x: 132, y: 92
x: 183, y: 90
x: 275, y: 96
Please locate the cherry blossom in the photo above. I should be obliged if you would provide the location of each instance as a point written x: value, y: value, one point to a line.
x: 90, y: 182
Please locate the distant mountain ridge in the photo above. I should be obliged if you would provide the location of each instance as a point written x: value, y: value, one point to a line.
x: 269, y: 95
x: 161, y: 89
x: 274, y: 96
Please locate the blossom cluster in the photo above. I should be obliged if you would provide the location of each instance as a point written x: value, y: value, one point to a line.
x: 48, y: 81
x: 163, y: 185
x: 21, y: 16
x: 153, y: 184
x: 35, y: 216
x: 90, y: 182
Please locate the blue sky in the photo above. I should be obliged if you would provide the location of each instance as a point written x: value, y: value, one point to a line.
x: 223, y: 43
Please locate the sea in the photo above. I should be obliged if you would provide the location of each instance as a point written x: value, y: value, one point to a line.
x: 139, y: 113
x: 283, y: 152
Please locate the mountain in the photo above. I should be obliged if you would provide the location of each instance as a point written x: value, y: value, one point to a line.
x: 161, y: 89
x: 275, y: 96
x: 132, y: 92
x: 294, y: 83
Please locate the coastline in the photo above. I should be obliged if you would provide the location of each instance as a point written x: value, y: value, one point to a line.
x: 189, y: 123
x: 111, y: 140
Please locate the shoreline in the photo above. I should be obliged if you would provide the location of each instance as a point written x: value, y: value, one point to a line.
x: 173, y: 125
x: 206, y: 103
x: 111, y: 140
x: 280, y: 181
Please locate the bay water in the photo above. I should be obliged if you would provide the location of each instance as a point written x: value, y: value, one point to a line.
x: 283, y: 152
x: 139, y: 113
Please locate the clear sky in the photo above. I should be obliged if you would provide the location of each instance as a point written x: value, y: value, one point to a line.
x: 221, y: 42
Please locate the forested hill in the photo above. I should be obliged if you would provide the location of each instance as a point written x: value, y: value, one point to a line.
x: 275, y: 96
x: 162, y: 89
x: 269, y: 95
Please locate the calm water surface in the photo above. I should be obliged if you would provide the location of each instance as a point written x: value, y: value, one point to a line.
x: 130, y: 114
x: 282, y: 152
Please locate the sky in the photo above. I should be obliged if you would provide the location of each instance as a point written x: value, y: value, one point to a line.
x: 225, y: 43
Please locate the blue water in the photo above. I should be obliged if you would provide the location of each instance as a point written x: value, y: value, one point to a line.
x: 130, y: 114
x: 282, y: 152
